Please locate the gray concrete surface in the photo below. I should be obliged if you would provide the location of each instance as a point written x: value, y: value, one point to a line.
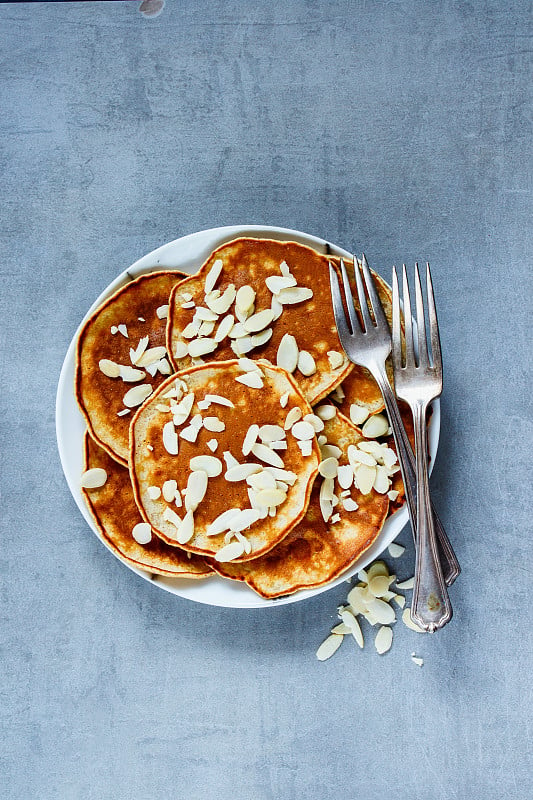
x: 399, y: 127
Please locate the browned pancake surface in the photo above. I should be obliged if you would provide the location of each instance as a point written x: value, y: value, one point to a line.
x: 101, y: 398
x: 115, y: 513
x: 151, y: 464
x: 311, y: 322
x: 315, y: 552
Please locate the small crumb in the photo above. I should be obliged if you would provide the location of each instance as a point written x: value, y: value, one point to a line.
x: 417, y: 660
x: 141, y: 319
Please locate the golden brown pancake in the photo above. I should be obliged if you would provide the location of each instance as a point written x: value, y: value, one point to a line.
x: 316, y: 552
x: 250, y: 262
x: 115, y: 513
x: 359, y: 386
x: 151, y: 465
x: 100, y: 397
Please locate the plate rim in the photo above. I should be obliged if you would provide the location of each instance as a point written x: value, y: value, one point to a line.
x: 244, y: 596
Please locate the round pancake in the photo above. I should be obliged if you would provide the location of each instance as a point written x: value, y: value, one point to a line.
x: 315, y: 552
x: 113, y: 509
x: 249, y: 262
x: 99, y: 396
x: 359, y: 386
x: 151, y: 465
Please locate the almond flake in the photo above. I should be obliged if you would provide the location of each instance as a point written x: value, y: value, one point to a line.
x: 251, y: 379
x: 349, y: 505
x: 191, y: 330
x: 258, y: 322
x: 170, y: 488
x: 377, y: 568
x: 230, y: 460
x: 341, y: 629
x: 281, y: 444
x: 180, y: 350
x: 244, y: 519
x: 381, y: 482
x: 241, y: 471
x: 188, y: 304
x: 271, y: 497
x: 211, y: 465
x: 206, y: 329
x: 282, y: 475
x: 190, y: 433
x: 123, y: 330
x: 213, y: 275
x: 250, y: 439
x: 237, y: 331
x: 114, y: 329
x: 303, y: 430
x: 379, y: 585
x: 212, y: 444
x: 261, y: 480
x: 399, y: 599
x: 271, y: 433
x: 345, y: 476
x: 244, y: 541
x: 219, y: 400
x: 293, y: 416
x: 196, y: 489
x: 315, y: 421
x: 383, y: 640
x: 306, y: 363
x: 214, y: 425
x: 306, y: 446
x: 284, y: 269
x: 326, y: 498
x: 358, y: 413
x: 275, y: 283
x: 163, y: 366
x: 277, y: 308
x: 136, y: 353
x: 162, y: 311
x: 93, y: 478
x: 287, y: 355
x: 406, y: 619
x: 109, y: 368
x: 205, y: 314
x: 382, y: 611
x: 335, y: 518
x: 142, y: 533
x: 245, y: 298
x: 326, y: 412
x: 221, y: 305
x: 137, y: 395
x: 267, y: 455
x: 336, y: 359
x: 329, y: 646
x: 130, y: 374
x: 284, y: 399
x: 151, y: 355
x: 200, y: 347
x: 169, y: 515
x: 186, y: 529
x: 355, y: 629
x: 170, y: 438
x: 222, y: 522
x: 328, y: 468
x: 338, y: 394
x: 294, y: 294
x: 230, y: 552
x: 328, y: 450
x: 375, y: 427
x: 357, y: 457
x: 224, y: 327
x: 153, y: 492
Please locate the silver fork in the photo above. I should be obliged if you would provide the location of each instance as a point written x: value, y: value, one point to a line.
x: 370, y: 348
x: 418, y: 382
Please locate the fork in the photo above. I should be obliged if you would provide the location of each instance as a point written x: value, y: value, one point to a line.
x: 369, y: 347
x: 418, y: 382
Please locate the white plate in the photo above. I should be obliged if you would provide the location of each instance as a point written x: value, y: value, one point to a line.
x: 187, y: 254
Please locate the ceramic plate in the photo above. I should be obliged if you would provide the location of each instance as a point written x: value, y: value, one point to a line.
x: 188, y: 254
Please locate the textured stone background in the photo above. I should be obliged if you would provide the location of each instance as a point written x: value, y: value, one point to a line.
x: 401, y: 127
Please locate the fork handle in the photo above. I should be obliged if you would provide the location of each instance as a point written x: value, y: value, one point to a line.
x: 431, y: 608
x: 448, y: 559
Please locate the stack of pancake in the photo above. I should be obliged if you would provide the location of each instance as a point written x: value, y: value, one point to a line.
x: 227, y: 432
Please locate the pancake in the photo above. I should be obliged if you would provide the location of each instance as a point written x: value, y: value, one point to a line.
x: 113, y: 508
x: 316, y: 552
x: 213, y: 417
x: 359, y: 388
x: 132, y: 310
x: 305, y: 313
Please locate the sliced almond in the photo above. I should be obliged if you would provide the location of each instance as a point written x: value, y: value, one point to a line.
x: 326, y: 412
x: 214, y: 425
x: 250, y: 439
x: 190, y: 331
x: 209, y: 464
x: 396, y: 550
x: 213, y: 275
x: 355, y: 629
x: 399, y: 599
x: 244, y: 519
x: 230, y: 460
x: 221, y: 305
x: 341, y: 628
x: 287, y: 355
x: 109, y: 368
x: 349, y: 505
x: 375, y: 426
x: 271, y: 433
x: 282, y: 475
x: 284, y: 269
x: 162, y: 311
x: 293, y: 416
x: 406, y: 619
x: 407, y: 584
x: 329, y: 646
x: 275, y: 283
x: 261, y: 480
x: 142, y: 533
x: 151, y: 355
x: 345, y: 476
x: 306, y: 363
x: 230, y: 552
x: 205, y: 314
x: 196, y: 489
x: 379, y: 585
x: 260, y: 321
x: 271, y: 497
x: 170, y: 439
x: 328, y: 468
x: 357, y: 457
x: 382, y: 611
x: 136, y: 353
x: 294, y: 294
x: 219, y: 400
x: 93, y: 478
x: 381, y: 482
x: 383, y: 640
x: 245, y: 298
x: 264, y: 453
x: 222, y: 522
x: 315, y: 421
x: 303, y: 430
x: 241, y: 471
x: 251, y: 379
x: 284, y: 399
x: 200, y: 347
x: 326, y: 498
x: 328, y: 450
x: 224, y: 328
x: 365, y: 477
x: 358, y: 413
x: 180, y: 350
x: 169, y: 515
x: 130, y: 374
x: 154, y: 492
x: 137, y: 395
x: 186, y: 529
x: 123, y: 330
x: 416, y: 660
x: 377, y: 568
x: 277, y: 308
x: 335, y: 359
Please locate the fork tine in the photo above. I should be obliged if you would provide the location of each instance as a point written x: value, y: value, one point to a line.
x: 361, y: 296
x: 423, y: 357
x: 338, y: 308
x: 409, y: 349
x: 396, y: 326
x: 375, y: 302
x: 349, y: 299
x: 433, y: 322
